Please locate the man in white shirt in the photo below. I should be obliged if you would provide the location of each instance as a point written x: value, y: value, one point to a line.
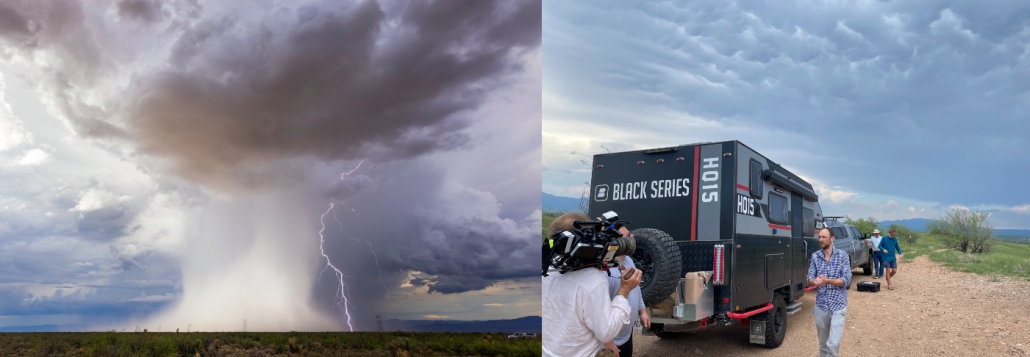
x: 578, y: 314
x: 874, y: 244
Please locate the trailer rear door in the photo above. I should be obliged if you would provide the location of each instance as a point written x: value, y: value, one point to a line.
x: 652, y: 189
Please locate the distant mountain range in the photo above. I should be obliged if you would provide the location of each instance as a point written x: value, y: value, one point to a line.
x: 559, y: 204
x: 34, y: 328
x: 522, y: 324
x: 915, y: 224
x: 919, y: 225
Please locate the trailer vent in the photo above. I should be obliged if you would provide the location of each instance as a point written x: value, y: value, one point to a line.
x: 719, y: 265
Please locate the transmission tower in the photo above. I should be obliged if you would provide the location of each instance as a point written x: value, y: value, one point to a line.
x: 379, y: 321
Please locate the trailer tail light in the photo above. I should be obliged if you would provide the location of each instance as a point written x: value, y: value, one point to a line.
x: 719, y: 265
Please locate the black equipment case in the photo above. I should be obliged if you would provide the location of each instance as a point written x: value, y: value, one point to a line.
x: 870, y: 286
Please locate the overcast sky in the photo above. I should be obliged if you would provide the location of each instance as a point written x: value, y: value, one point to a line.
x: 173, y: 163
x: 893, y: 109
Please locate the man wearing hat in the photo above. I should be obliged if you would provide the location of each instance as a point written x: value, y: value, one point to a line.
x: 874, y: 244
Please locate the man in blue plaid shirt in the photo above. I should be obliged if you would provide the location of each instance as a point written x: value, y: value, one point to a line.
x: 831, y: 272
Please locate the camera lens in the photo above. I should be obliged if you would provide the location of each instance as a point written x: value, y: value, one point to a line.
x: 627, y: 245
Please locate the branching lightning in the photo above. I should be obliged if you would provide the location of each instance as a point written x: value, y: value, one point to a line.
x: 342, y: 294
x: 378, y: 270
x: 348, y: 173
x: 342, y: 301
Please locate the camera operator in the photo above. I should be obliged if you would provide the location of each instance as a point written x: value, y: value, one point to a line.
x: 623, y: 343
x: 579, y: 315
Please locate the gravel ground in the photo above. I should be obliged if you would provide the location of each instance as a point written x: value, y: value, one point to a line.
x: 933, y: 311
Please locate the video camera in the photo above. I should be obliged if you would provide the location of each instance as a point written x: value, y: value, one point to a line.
x: 591, y: 244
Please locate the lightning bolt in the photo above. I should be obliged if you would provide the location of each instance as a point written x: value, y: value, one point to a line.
x: 343, y: 301
x: 339, y: 274
x: 348, y: 173
x: 374, y: 256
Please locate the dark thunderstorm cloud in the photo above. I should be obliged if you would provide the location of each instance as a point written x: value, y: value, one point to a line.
x: 143, y: 10
x: 332, y: 80
x: 418, y: 221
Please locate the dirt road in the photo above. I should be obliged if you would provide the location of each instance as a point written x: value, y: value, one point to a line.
x: 933, y: 311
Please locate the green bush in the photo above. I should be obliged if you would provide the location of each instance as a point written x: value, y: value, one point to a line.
x: 163, y: 346
x: 964, y: 230
x: 189, y: 346
x: 864, y: 225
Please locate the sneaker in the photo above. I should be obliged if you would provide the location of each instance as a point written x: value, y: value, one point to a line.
x: 876, y: 277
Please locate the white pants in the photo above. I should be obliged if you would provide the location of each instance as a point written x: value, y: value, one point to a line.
x: 830, y: 327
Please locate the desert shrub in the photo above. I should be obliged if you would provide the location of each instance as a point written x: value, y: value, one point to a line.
x: 864, y: 225
x: 189, y: 346
x: 964, y: 230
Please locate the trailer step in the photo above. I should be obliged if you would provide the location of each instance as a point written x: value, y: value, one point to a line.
x: 793, y: 308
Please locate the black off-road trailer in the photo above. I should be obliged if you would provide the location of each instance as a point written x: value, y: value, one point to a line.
x: 719, y: 208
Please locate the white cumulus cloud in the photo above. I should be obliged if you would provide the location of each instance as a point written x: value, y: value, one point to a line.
x: 94, y: 199
x: 34, y: 157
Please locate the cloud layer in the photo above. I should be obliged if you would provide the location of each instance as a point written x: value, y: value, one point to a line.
x: 231, y: 92
x: 918, y: 101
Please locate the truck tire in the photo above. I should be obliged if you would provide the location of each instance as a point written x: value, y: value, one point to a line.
x: 659, y: 258
x: 867, y: 268
x: 776, y: 322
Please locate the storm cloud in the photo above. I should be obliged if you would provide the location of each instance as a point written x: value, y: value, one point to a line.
x: 920, y: 103
x: 329, y: 80
x: 451, y: 231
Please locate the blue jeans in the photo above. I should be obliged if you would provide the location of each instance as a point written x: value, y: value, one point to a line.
x: 830, y: 328
x: 878, y: 263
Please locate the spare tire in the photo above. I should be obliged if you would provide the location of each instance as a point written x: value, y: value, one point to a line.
x: 659, y: 258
